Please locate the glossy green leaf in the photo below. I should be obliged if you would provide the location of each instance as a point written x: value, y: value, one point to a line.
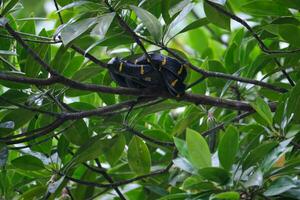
x: 293, y: 104
x: 265, y: 8
x: 257, y: 154
x: 77, y: 133
x: 228, y: 147
x: 216, y: 17
x: 18, y: 117
x: 198, y: 149
x: 215, y: 174
x: 289, y: 33
x: 139, y: 159
x: 263, y: 109
x: 72, y: 31
x: 151, y: 22
x: 28, y: 162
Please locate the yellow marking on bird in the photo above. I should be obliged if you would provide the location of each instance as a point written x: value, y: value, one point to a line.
x: 164, y: 61
x: 180, y: 70
x: 174, y: 82
x: 142, y: 70
x: 121, y: 66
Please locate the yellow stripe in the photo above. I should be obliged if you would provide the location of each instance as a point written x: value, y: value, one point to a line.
x: 121, y: 66
x: 142, y: 70
x: 180, y: 70
x: 164, y: 62
x: 174, y: 82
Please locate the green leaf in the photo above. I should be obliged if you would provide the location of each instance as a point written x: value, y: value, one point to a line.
x: 175, y: 28
x: 28, y: 162
x: 113, y: 149
x: 293, y: 105
x: 227, y: 195
x: 72, y: 31
x: 77, y: 133
x: 89, y: 151
x: 139, y: 159
x: 215, y: 174
x: 3, y: 154
x: 9, y: 6
x: 279, y: 186
x: 216, y: 17
x: 228, y: 147
x: 263, y: 109
x: 257, y: 154
x: 290, y: 34
x: 198, y: 149
x: 195, y: 24
x: 150, y: 21
x: 103, y: 24
x: 265, y: 8
x: 181, y: 147
x: 32, y: 68
x: 18, y: 117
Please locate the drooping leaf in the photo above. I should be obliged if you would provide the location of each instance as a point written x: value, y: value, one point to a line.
x: 216, y: 17
x: 139, y: 159
x: 228, y: 147
x: 263, y: 109
x: 198, y: 149
x: 150, y: 21
x: 72, y: 31
x: 28, y: 162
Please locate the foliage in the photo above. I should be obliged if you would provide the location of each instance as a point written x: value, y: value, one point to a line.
x: 67, y: 131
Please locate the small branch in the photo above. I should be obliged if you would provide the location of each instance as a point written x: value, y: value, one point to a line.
x: 261, y: 44
x: 220, y: 126
x: 130, y: 31
x: 54, y: 114
x: 147, y: 138
x: 109, y: 179
x: 43, y: 132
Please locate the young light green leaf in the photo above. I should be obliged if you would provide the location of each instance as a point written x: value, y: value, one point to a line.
x: 28, y: 162
x: 72, y: 31
x: 198, y: 149
x: 228, y: 147
x: 139, y: 158
x: 227, y: 196
x: 150, y: 21
x: 263, y: 109
x: 216, y: 17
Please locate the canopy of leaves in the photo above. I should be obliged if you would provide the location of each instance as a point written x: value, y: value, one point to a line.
x: 68, y: 131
